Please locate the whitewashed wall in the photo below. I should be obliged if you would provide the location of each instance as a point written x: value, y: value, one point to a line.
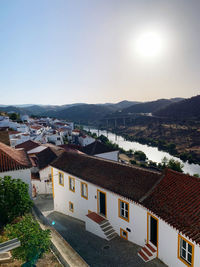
x: 114, y: 155
x: 167, y: 236
x: 168, y: 246
x: 43, y: 187
x: 24, y: 175
x: 62, y: 195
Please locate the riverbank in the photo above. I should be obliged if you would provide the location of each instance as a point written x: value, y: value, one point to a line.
x: 151, y: 152
x: 181, y: 141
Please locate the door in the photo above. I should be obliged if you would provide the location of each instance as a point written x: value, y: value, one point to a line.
x: 153, y: 231
x: 102, y: 203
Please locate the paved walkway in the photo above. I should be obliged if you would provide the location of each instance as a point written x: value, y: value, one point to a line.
x: 97, y: 252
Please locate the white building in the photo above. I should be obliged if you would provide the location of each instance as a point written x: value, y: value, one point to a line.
x: 159, y: 212
x: 85, y: 140
x: 15, y: 163
x: 55, y: 139
x: 98, y: 149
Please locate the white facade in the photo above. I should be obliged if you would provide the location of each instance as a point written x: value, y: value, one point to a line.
x: 23, y: 174
x: 85, y: 140
x: 136, y: 226
x: 56, y: 139
x: 113, y: 155
x: 44, y: 185
x: 16, y: 139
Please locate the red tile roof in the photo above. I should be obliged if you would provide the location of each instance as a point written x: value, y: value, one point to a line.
x: 28, y: 145
x: 13, y: 159
x: 96, y: 147
x: 128, y: 181
x: 176, y: 199
x: 36, y: 127
x: 44, y: 158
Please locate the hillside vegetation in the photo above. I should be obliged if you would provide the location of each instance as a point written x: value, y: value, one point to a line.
x: 185, y: 109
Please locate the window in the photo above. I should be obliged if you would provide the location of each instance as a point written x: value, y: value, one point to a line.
x: 84, y: 190
x: 186, y: 251
x: 50, y: 178
x: 123, y: 234
x: 61, y: 178
x: 71, y: 206
x: 123, y: 210
x: 72, y: 184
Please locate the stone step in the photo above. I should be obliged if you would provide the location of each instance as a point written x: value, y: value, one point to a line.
x: 147, y: 251
x: 106, y: 228
x: 148, y: 246
x: 109, y: 232
x: 113, y: 235
x: 103, y: 222
x: 143, y: 256
x: 104, y: 225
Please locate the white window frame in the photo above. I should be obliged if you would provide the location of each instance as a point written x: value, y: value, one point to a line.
x: 61, y: 177
x: 186, y: 249
x: 124, y: 210
x: 84, y: 190
x: 71, y: 184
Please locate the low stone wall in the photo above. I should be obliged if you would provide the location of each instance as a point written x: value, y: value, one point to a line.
x: 65, y: 253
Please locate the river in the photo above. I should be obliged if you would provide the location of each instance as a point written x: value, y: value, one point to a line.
x: 152, y: 153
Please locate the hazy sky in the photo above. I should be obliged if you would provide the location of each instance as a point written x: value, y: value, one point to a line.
x: 61, y: 51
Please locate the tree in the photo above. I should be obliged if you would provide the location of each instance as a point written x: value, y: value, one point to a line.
x: 14, y: 199
x: 196, y: 175
x: 175, y: 165
x: 140, y: 155
x: 14, y: 116
x: 103, y: 138
x: 34, y: 240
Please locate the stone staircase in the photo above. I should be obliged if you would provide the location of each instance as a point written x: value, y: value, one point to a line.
x: 108, y: 230
x: 100, y: 226
x: 148, y: 253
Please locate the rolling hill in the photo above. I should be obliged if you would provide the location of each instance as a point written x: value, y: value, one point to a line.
x: 186, y: 109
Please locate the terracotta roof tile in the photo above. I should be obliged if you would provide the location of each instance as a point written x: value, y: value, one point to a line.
x: 28, y: 145
x: 13, y: 159
x: 176, y: 199
x: 128, y: 181
x: 96, y: 148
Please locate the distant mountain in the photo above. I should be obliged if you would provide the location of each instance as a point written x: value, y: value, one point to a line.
x: 186, y: 109
x: 84, y: 113
x: 12, y: 109
x: 176, y: 99
x: 125, y: 104
x: 120, y: 105
x: 147, y: 107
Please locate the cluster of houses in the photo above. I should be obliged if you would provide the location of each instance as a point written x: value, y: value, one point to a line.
x: 160, y: 211
x: 43, y: 130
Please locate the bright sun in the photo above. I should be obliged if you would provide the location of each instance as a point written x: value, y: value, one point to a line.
x: 149, y: 45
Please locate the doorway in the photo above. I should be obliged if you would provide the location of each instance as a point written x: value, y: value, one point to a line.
x: 101, y: 196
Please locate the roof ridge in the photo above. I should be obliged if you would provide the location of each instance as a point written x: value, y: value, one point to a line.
x: 116, y: 163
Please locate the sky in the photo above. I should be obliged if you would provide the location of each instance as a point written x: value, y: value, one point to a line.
x: 85, y: 51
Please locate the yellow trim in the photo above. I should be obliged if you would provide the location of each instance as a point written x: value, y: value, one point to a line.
x: 86, y: 190
x: 74, y: 183
x: 122, y: 230
x: 59, y: 178
x: 120, y: 200
x: 52, y: 182
x: 148, y: 217
x: 89, y: 211
x: 98, y: 201
x: 179, y: 256
x: 72, y: 210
